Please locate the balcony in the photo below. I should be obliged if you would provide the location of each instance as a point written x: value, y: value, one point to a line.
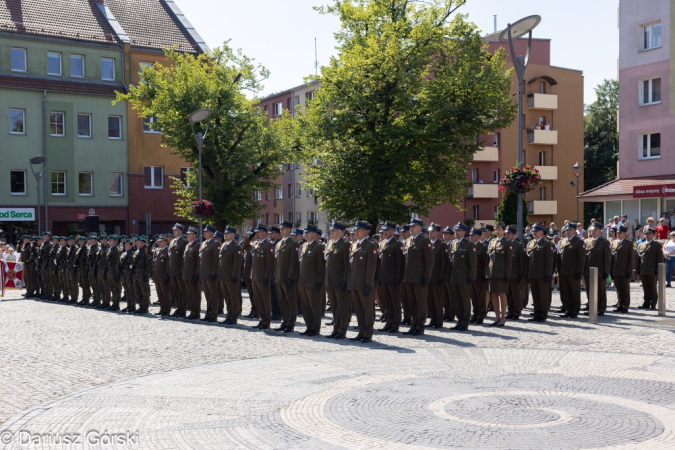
x: 546, y: 102
x: 479, y: 190
x: 542, y: 137
x: 543, y: 207
x: 487, y: 154
x: 548, y: 172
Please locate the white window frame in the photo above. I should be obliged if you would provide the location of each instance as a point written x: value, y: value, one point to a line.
x: 649, y: 28
x: 119, y: 121
x: 74, y: 55
x: 60, y: 74
x: 278, y: 109
x: 152, y: 178
x: 63, y: 123
x: 25, y: 181
x: 65, y: 186
x: 258, y: 194
x: 298, y: 216
x: 25, y: 59
x: 542, y: 158
x: 91, y: 181
x: 475, y: 212
x: 475, y: 176
x: 495, y: 140
x: 649, y: 142
x: 312, y: 217
x: 641, y: 91
x: 150, y: 120
x: 311, y: 95
x: 279, y: 193
x: 121, y: 180
x: 299, y: 188
x: 113, y: 69
x: 279, y: 218
x: 23, y: 121
x: 78, y: 126
x: 542, y: 193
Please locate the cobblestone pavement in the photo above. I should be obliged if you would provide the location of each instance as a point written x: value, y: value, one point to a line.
x: 179, y: 384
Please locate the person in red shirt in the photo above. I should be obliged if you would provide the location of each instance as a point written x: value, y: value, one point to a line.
x: 662, y: 230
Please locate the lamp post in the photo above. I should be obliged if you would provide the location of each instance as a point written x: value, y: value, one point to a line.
x: 576, y: 171
x: 514, y: 31
x: 198, y: 116
x: 38, y: 176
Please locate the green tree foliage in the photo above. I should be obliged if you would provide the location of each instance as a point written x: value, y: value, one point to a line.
x: 241, y: 152
x: 396, y: 121
x: 507, y: 211
x: 601, y: 141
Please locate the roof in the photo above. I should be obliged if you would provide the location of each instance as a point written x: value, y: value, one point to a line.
x: 72, y: 19
x: 622, y: 187
x: 156, y: 24
x: 73, y: 87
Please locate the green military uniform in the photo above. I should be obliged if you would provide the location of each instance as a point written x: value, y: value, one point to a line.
x: 160, y: 276
x: 247, y: 248
x: 448, y: 237
x: 622, y: 268
x: 518, y: 271
x: 92, y: 256
x: 190, y: 277
x: 463, y: 272
x: 208, y: 273
x: 390, y: 271
x: 436, y: 292
x: 141, y: 264
x: 102, y: 273
x: 362, y: 267
x: 44, y: 267
x: 26, y: 254
x: 419, y: 261
x: 261, y: 275
x: 53, y: 272
x: 540, y: 262
x: 499, y: 265
x: 571, y: 260
x: 599, y: 255
x: 651, y: 255
x: 231, y: 260
x: 337, y: 276
x: 73, y: 288
x: 176, y: 250
x: 479, y: 285
x: 311, y: 274
x: 286, y: 267
x: 114, y: 276
x: 125, y: 269
x: 80, y: 270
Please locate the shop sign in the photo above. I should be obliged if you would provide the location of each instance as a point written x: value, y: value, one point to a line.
x: 17, y: 214
x: 654, y: 190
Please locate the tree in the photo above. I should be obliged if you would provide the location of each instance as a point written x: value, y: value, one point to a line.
x: 241, y: 152
x: 397, y: 119
x: 507, y: 211
x: 601, y: 141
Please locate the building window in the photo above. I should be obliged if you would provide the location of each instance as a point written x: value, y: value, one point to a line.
x: 311, y: 217
x: 114, y: 127
x: 115, y: 186
x: 650, y: 91
x: 299, y: 189
x: 58, y: 182
x: 258, y: 194
x: 267, y: 219
x: 154, y: 177
x: 310, y: 192
x: 474, y: 176
x: 278, y: 109
x: 290, y: 190
x: 77, y: 66
x: 18, y: 56
x: 266, y: 109
x: 310, y: 96
x: 290, y: 217
x: 54, y: 64
x: 542, y: 193
x: 57, y: 121
x: 495, y: 176
x: 17, y: 181
x: 650, y: 146
x: 279, y: 193
x: 85, y: 181
x: 542, y: 158
x: 84, y: 125
x: 475, y: 212
x: 108, y: 69
x: 184, y: 172
x: 17, y: 121
x: 298, y: 218
x: 651, y: 36
x: 495, y: 140
x: 279, y: 218
x: 150, y: 125
x: 542, y: 87
x: 495, y: 209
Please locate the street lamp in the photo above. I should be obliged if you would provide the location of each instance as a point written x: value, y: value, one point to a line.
x: 38, y: 176
x: 196, y: 117
x: 514, y: 31
x: 576, y: 171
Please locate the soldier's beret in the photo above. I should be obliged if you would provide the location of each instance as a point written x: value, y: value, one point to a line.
x: 274, y: 229
x: 337, y: 226
x: 434, y: 226
x: 388, y: 226
x: 25, y: 236
x: 193, y: 230
x: 127, y: 241
x: 511, y: 229
x: 103, y: 233
x: 476, y: 232
x: 162, y: 238
x: 490, y: 228
x: 312, y: 228
x: 46, y: 233
x: 537, y: 227
x: 229, y: 229
x: 155, y: 236
x: 81, y: 238
x: 284, y: 224
x: 113, y: 237
x: 362, y: 225
x: 134, y: 235
x: 103, y: 237
x: 141, y: 239
x: 218, y: 234
x: 416, y: 222
x: 448, y: 230
x: 71, y: 238
x: 210, y: 228
x: 37, y: 238
x: 260, y: 227
x: 461, y: 226
x: 178, y: 226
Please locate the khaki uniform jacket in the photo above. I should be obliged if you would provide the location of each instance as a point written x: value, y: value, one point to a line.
x: 540, y: 256
x: 598, y: 254
x: 160, y: 268
x: 419, y: 259
x: 263, y: 260
x: 441, y: 259
x: 651, y: 255
x: 337, y: 262
x: 231, y: 260
x: 92, y: 255
x: 362, y: 264
x: 287, y: 260
x: 312, y: 264
x: 391, y: 262
x: 125, y: 263
x: 45, y: 251
x: 141, y: 263
x: 191, y: 260
x: 622, y: 258
x: 113, y: 263
x: 247, y: 247
x: 72, y: 256
x: 208, y: 258
x: 463, y: 261
x: 571, y: 256
x: 102, y: 261
x: 80, y: 263
x: 499, y: 253
x: 518, y: 260
x: 176, y: 251
x: 482, y: 259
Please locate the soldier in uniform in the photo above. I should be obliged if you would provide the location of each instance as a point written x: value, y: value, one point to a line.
x: 299, y: 237
x: 598, y: 254
x: 311, y: 274
x: 435, y: 293
x: 390, y: 272
x: 518, y: 270
x: 113, y: 273
x: 71, y: 277
x: 449, y: 316
x: 208, y: 273
x: 43, y: 264
x: 53, y: 270
x: 161, y: 277
x: 479, y: 285
x: 362, y: 268
x: 622, y: 267
x: 650, y: 253
x: 540, y: 262
x: 126, y: 267
x: 37, y: 268
x: 261, y: 275
x: 141, y: 264
x: 337, y: 276
x: 462, y: 267
x: 26, y: 256
x: 571, y: 259
x: 176, y: 250
x: 102, y: 272
x: 231, y: 261
x: 418, y: 266
x: 407, y: 315
x: 247, y: 247
x: 60, y: 263
x: 499, y: 272
x: 286, y: 267
x: 92, y: 256
x: 190, y: 276
x: 80, y: 269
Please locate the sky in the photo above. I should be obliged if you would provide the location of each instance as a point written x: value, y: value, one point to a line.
x: 280, y: 34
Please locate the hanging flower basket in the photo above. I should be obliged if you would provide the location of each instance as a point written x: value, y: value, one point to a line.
x: 203, y: 208
x: 519, y: 181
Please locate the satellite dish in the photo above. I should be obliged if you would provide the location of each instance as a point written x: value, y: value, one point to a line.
x: 200, y: 115
x: 521, y: 27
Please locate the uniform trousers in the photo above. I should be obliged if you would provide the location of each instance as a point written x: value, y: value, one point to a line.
x: 211, y: 293
x: 232, y: 294
x: 129, y: 291
x: 435, y: 302
x: 570, y: 293
x: 541, y: 298
x: 163, y: 295
x: 602, y: 293
x: 447, y: 303
x: 74, y: 290
x: 142, y: 288
x: 94, y: 288
x: 390, y: 298
x: 365, y: 312
x: 651, y: 295
x: 63, y: 284
x: 27, y: 279
x: 341, y: 304
x: 262, y: 298
x: 84, y: 282
x: 251, y: 294
x: 513, y: 298
x: 405, y: 303
x: 525, y: 292
x: 310, y: 302
x: 417, y: 301
x: 193, y: 295
x: 622, y: 291
x: 178, y: 289
x: 478, y: 293
x: 460, y: 295
x: 288, y: 303
x: 101, y: 281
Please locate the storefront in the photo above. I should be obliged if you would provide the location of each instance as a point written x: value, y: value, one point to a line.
x: 16, y: 222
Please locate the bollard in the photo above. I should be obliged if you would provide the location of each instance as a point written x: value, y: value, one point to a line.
x: 593, y: 295
x: 662, y: 289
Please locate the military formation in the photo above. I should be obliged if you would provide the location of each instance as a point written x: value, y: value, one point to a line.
x: 420, y: 276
